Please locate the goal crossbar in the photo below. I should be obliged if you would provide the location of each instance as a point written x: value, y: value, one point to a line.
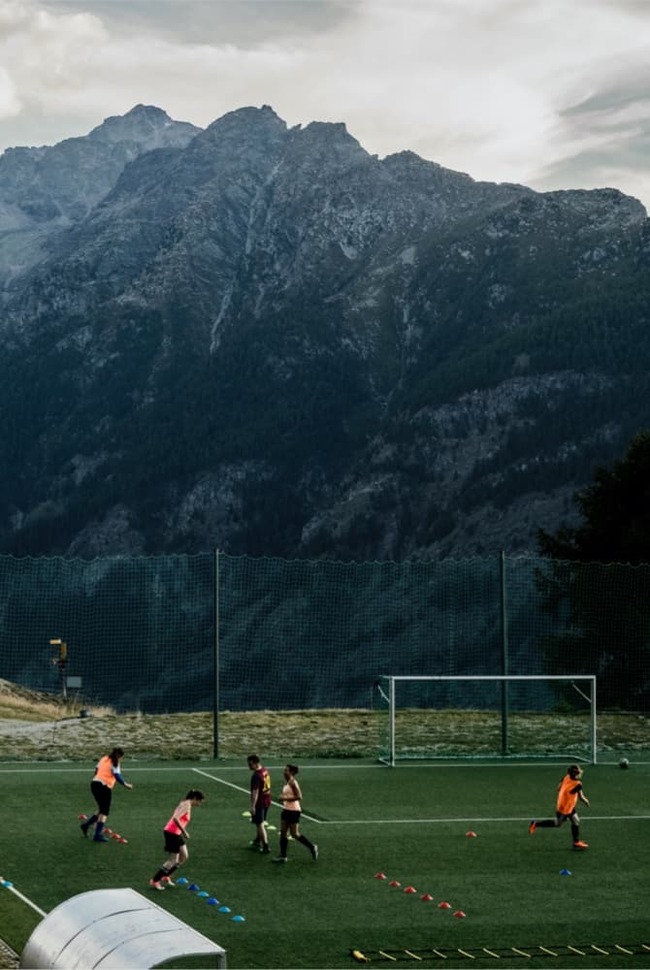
x: 588, y: 694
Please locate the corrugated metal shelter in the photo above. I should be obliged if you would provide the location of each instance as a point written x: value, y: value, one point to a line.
x: 114, y: 929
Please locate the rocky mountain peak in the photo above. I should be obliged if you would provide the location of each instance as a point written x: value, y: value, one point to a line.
x: 148, y: 126
x: 269, y: 340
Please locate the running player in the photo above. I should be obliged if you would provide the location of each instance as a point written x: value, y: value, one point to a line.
x: 568, y: 792
x: 176, y: 835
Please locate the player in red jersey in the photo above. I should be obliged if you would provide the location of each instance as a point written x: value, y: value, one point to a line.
x: 260, y: 801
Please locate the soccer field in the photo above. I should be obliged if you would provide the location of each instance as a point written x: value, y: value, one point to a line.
x: 409, y: 823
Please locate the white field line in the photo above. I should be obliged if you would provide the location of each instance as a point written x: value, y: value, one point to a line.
x: 31, y: 766
x: 240, y: 788
x: 16, y: 892
x: 39, y: 766
x: 477, y: 821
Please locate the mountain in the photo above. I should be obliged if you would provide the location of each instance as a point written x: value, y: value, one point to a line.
x: 267, y: 340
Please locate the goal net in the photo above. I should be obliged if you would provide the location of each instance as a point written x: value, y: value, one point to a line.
x: 487, y: 717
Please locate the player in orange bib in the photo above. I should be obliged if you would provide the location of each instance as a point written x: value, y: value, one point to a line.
x: 107, y: 772
x: 569, y: 791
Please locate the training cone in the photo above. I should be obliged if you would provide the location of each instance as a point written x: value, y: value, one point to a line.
x: 82, y: 817
x: 123, y: 841
x: 202, y: 894
x: 565, y: 872
x: 459, y: 914
x: 427, y: 898
x: 182, y: 881
x: 107, y: 831
x: 237, y: 919
x: 246, y: 814
x: 410, y: 889
x: 193, y: 888
x: 471, y: 835
x: 7, y: 883
x: 212, y: 901
x: 380, y: 875
x: 444, y: 905
x: 224, y: 909
x: 394, y: 883
x: 269, y: 828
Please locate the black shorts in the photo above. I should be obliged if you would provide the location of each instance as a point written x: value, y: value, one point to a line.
x: 261, y: 811
x: 290, y: 816
x: 562, y: 817
x: 102, y: 795
x: 173, y: 842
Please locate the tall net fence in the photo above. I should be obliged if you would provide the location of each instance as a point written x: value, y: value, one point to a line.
x: 160, y: 634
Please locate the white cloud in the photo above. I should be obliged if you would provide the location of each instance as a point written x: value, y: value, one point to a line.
x: 506, y: 90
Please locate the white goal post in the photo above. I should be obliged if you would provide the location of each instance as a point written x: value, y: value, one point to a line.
x: 495, y: 716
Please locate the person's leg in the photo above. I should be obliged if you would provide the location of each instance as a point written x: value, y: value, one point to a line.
x: 575, y: 832
x: 313, y: 849
x: 546, y: 823
x: 178, y: 854
x: 262, y: 834
x: 284, y: 841
x: 173, y: 863
x: 89, y: 822
x: 104, y: 795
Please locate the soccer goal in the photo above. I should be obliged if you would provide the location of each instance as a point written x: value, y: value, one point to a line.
x: 487, y: 717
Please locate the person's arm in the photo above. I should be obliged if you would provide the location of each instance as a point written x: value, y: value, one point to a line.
x: 120, y: 778
x: 583, y: 798
x: 255, y: 792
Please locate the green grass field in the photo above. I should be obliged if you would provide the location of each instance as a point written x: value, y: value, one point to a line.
x: 408, y: 822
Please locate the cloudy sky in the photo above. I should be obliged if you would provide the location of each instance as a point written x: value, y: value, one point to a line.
x: 549, y: 93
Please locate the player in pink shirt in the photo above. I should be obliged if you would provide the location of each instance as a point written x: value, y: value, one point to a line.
x: 176, y: 835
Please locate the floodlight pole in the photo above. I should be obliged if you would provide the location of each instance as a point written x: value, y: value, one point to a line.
x: 216, y: 697
x: 504, y: 655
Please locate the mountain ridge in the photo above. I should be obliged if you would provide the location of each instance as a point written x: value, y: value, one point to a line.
x: 266, y: 339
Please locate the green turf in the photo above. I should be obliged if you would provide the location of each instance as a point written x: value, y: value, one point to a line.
x: 409, y: 823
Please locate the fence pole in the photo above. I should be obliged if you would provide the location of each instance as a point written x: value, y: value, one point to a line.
x: 504, y: 655
x: 216, y: 697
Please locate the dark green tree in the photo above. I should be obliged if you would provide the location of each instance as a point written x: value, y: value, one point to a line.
x: 598, y: 586
x: 616, y: 513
